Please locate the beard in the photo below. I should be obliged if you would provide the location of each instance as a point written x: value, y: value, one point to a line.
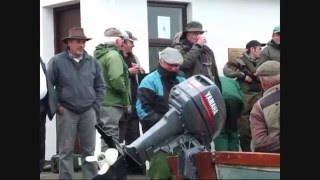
x: 167, y: 74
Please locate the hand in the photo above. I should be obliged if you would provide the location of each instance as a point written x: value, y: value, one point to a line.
x: 248, y: 78
x: 134, y: 69
x: 60, y: 109
x: 201, y: 40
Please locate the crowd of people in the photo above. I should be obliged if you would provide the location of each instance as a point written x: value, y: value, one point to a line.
x: 111, y: 88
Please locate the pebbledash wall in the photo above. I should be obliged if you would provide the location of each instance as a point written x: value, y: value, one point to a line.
x: 230, y: 24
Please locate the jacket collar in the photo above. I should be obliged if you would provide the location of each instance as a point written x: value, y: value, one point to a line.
x: 272, y: 89
x: 85, y: 55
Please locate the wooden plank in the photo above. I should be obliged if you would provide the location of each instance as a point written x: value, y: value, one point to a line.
x: 205, y: 168
x: 205, y: 162
x: 174, y: 166
x: 234, y: 53
x: 246, y: 158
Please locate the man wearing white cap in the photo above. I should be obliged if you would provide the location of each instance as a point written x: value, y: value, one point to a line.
x: 116, y: 103
x: 152, y: 102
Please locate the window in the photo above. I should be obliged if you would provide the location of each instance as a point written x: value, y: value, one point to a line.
x: 164, y: 21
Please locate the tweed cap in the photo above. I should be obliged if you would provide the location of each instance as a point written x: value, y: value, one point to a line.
x: 114, y: 32
x: 269, y: 68
x: 171, y: 56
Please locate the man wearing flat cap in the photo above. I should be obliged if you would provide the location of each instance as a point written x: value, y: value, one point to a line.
x: 80, y: 88
x: 244, y: 70
x: 265, y: 114
x: 116, y: 104
x: 153, y: 102
x: 272, y: 50
x: 198, y: 58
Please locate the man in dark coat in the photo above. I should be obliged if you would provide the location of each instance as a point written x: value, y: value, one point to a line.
x: 48, y: 106
x: 272, y: 50
x: 80, y: 88
x: 198, y: 58
x: 244, y: 70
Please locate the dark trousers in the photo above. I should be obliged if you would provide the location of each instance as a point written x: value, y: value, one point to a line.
x: 129, y: 129
x: 233, y: 108
x: 146, y: 125
x: 244, y: 124
x: 42, y: 140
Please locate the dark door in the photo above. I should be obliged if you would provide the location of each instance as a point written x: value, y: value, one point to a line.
x: 65, y: 18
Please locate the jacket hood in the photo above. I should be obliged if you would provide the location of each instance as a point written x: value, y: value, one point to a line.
x: 271, y: 43
x: 102, y: 49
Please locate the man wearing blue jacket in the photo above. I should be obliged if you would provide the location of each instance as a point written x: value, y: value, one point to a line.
x: 153, y: 102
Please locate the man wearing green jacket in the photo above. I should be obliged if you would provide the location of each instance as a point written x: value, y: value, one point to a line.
x: 116, y: 103
x: 198, y: 58
x: 272, y: 50
x: 228, y: 139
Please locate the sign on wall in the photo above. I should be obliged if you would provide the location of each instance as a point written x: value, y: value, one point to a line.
x: 164, y: 27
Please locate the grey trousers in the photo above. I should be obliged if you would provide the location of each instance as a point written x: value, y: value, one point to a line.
x: 68, y: 125
x: 110, y: 117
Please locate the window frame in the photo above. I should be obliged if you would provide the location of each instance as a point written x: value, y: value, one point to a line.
x: 155, y: 3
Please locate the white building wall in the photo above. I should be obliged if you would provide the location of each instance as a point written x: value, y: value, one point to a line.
x: 230, y: 24
x: 98, y: 15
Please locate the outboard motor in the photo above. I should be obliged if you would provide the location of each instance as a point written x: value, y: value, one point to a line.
x: 196, y: 115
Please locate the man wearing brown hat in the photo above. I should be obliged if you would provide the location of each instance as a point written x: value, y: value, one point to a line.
x: 153, y: 102
x: 198, y: 58
x: 265, y: 114
x: 244, y: 69
x: 80, y: 89
x: 272, y: 50
x: 116, y: 104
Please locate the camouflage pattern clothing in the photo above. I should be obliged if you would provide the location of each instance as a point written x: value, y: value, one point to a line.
x: 239, y: 69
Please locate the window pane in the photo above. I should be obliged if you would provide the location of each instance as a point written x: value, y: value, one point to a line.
x: 154, y: 57
x: 174, y: 14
